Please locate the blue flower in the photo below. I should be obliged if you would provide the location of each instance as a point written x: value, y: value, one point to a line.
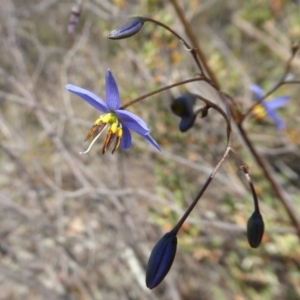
x: 118, y: 122
x: 269, y: 107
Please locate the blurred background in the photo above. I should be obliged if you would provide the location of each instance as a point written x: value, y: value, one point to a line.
x: 82, y: 226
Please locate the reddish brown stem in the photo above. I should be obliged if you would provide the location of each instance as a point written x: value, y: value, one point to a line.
x: 277, y: 190
x: 194, y: 42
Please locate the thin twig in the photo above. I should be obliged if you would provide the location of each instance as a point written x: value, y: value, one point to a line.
x: 292, y: 213
x: 201, y: 192
x: 194, y: 42
x: 188, y: 47
x: 217, y: 167
x: 161, y: 90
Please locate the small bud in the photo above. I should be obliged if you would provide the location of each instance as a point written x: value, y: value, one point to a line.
x: 130, y: 27
x: 161, y: 260
x: 255, y: 229
x: 183, y: 107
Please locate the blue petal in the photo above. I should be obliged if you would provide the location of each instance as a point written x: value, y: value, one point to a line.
x: 257, y: 91
x: 151, y: 141
x: 276, y: 102
x: 88, y: 96
x: 187, y: 123
x: 133, y: 122
x: 277, y: 120
x: 112, y: 92
x: 126, y: 138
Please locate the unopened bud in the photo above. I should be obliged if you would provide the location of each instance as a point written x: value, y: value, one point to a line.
x: 130, y: 27
x: 183, y: 107
x: 161, y: 260
x: 255, y: 229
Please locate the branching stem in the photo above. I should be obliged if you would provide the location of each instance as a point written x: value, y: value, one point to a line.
x: 239, y: 118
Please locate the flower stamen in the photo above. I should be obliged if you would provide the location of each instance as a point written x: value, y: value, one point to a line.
x: 100, y: 130
x: 259, y: 112
x: 108, y: 140
x: 111, y: 134
x: 95, y: 130
x: 119, y: 134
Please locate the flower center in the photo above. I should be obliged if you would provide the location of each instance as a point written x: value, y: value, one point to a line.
x: 259, y: 112
x: 114, y: 132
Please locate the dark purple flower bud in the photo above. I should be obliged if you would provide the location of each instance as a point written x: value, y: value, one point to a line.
x: 161, y: 260
x: 183, y: 107
x: 187, y: 123
x: 130, y: 27
x: 255, y: 229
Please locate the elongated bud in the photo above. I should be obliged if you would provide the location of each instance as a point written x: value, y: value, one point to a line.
x: 161, y: 260
x: 255, y: 229
x: 130, y: 27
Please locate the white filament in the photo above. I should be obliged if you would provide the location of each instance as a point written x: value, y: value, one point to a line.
x: 92, y: 143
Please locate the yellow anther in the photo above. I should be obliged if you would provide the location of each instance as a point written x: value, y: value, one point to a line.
x: 106, y: 118
x: 114, y: 132
x: 98, y: 121
x: 119, y: 132
x: 95, y: 130
x: 114, y: 127
x: 259, y: 112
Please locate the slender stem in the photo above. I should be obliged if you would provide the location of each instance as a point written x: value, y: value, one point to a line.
x: 194, y: 42
x: 161, y: 90
x: 245, y: 170
x: 254, y: 195
x: 189, y: 48
x: 195, y: 201
x: 276, y: 189
x: 209, y: 104
x: 218, y: 109
x: 287, y: 205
